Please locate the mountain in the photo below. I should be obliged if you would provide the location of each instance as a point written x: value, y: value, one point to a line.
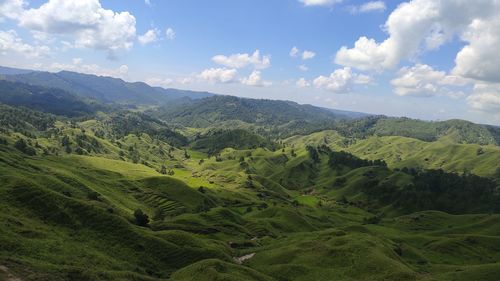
x: 104, y: 89
x: 180, y: 94
x: 13, y: 71
x: 49, y: 100
x: 218, y: 109
x: 273, y: 118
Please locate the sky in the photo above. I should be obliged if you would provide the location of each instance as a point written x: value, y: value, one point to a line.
x: 425, y: 59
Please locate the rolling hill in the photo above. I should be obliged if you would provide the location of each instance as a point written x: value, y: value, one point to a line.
x: 227, y: 188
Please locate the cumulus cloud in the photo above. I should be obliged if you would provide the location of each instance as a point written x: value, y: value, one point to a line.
x: 319, y: 2
x: 422, y: 80
x: 170, y: 33
x: 479, y: 59
x: 85, y: 21
x: 302, y: 83
x: 305, y: 55
x: 243, y: 60
x: 255, y: 79
x: 340, y: 81
x: 427, y: 24
x: 308, y: 55
x: 11, y: 8
x: 303, y: 67
x: 218, y: 75
x: 10, y: 42
x: 372, y: 6
x: 486, y: 98
x: 149, y: 37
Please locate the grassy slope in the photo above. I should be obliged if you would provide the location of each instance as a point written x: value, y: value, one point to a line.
x: 401, y: 152
x: 46, y: 198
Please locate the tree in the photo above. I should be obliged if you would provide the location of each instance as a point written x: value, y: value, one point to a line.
x: 22, y: 146
x: 141, y: 219
x: 313, y: 153
x: 163, y: 170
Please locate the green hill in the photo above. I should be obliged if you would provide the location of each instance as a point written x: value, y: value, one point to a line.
x: 212, y: 190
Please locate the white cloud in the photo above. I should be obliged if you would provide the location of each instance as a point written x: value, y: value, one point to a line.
x: 421, y: 25
x: 366, y: 55
x: 320, y: 2
x: 340, y: 81
x: 255, y: 79
x: 11, y: 43
x: 170, y: 33
x: 479, y: 59
x: 243, y: 60
x: 11, y: 8
x: 160, y: 82
x: 422, y: 80
x: 149, y: 37
x: 308, y: 55
x: 303, y: 67
x: 302, y: 83
x: 147, y: 2
x: 86, y: 21
x: 294, y: 52
x: 218, y: 75
x: 486, y: 98
x: 372, y: 6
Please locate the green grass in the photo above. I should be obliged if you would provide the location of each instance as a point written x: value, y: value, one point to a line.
x: 70, y: 217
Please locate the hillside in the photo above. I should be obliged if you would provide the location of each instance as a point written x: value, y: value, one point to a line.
x: 227, y: 188
x: 400, y: 152
x: 74, y: 195
x: 268, y: 117
x: 458, y: 131
x: 49, y: 100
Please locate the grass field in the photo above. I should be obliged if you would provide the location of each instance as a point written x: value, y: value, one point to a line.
x: 71, y: 217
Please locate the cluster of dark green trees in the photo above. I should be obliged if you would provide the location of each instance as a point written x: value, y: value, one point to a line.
x: 439, y: 190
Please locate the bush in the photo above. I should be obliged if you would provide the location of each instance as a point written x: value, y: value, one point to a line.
x: 22, y: 146
x: 141, y: 219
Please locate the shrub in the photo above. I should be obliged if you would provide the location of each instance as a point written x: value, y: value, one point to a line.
x: 22, y: 146
x: 141, y: 219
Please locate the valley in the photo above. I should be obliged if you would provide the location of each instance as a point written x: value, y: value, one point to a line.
x: 195, y: 190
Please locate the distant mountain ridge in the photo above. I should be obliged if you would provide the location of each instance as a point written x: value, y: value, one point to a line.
x: 104, y: 89
x: 50, y: 100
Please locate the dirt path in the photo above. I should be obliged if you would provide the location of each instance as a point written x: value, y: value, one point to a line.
x: 6, y: 275
x: 240, y: 260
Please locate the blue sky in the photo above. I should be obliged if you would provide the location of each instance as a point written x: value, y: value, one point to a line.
x: 425, y: 59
